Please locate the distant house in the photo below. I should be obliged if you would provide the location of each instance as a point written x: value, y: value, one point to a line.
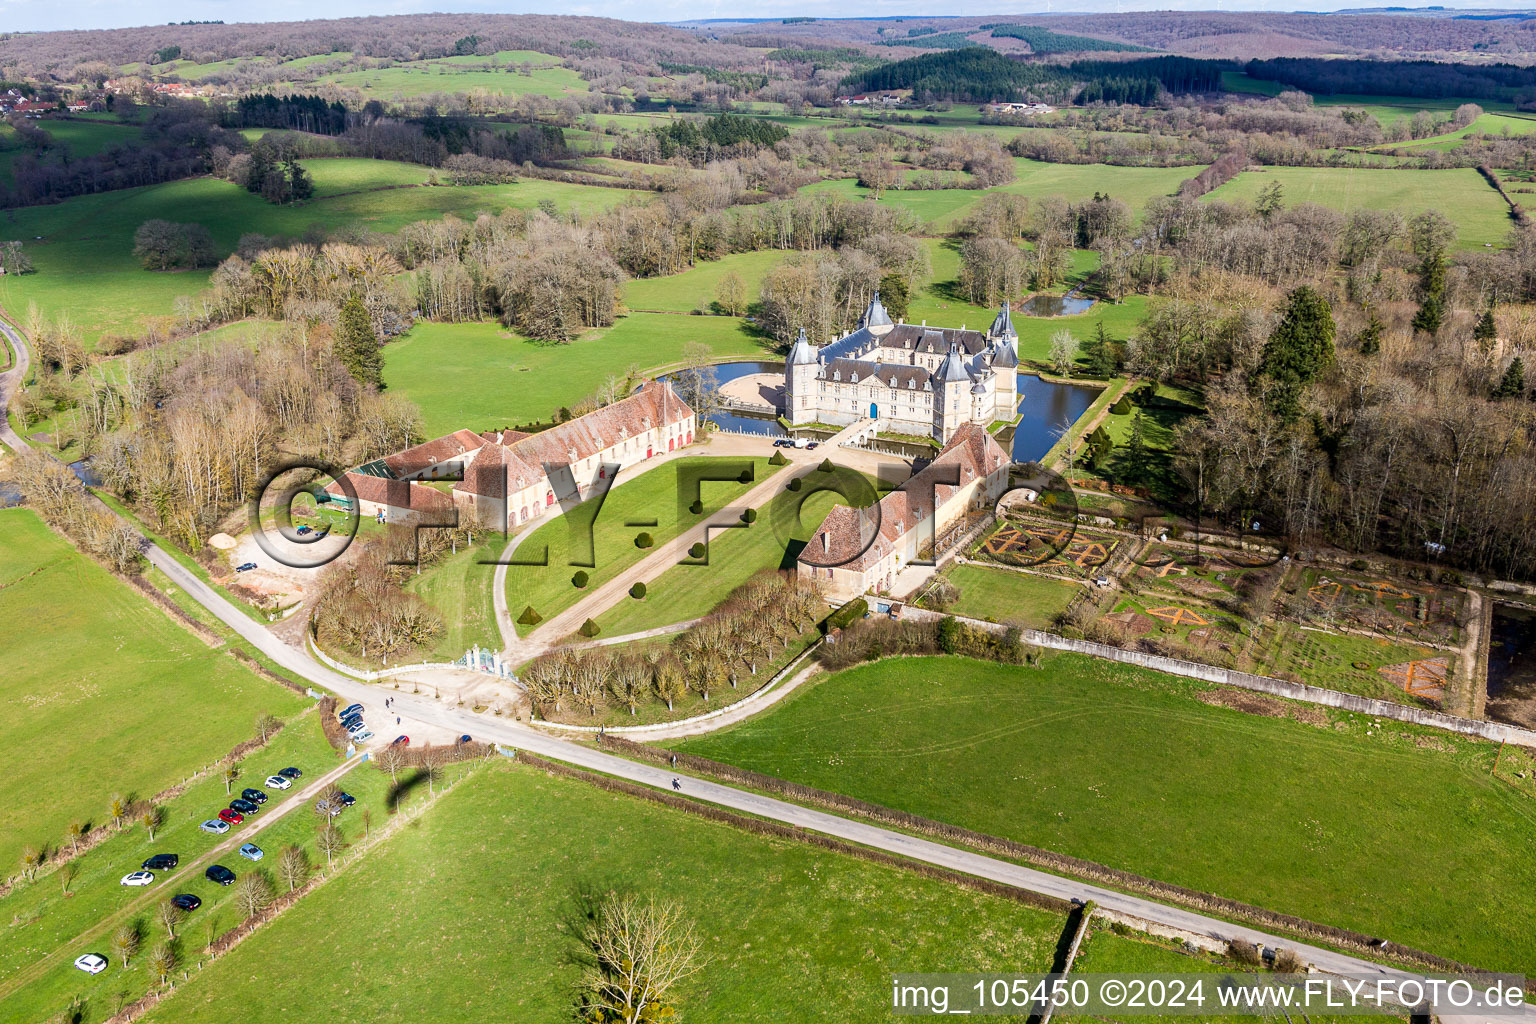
x: 1031, y: 109
x: 884, y: 99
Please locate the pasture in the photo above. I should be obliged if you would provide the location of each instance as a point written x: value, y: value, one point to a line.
x: 1001, y: 595
x: 104, y: 692
x: 521, y: 73
x: 84, y: 255
x: 482, y: 376
x: 506, y: 854
x: 1481, y: 216
x: 1133, y: 769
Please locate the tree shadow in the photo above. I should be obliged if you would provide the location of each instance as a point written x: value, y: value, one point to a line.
x: 402, y: 788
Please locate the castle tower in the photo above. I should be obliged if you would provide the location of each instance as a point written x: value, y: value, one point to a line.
x: 875, y: 319
x: 951, y: 394
x: 800, y: 370
x: 1005, y: 364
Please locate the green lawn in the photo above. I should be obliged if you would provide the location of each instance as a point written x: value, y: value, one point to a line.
x: 1462, y: 194
x: 1105, y: 952
x: 85, y: 259
x: 1123, y: 766
x: 48, y: 930
x: 652, y: 496
x: 689, y: 590
x: 452, y: 75
x: 695, y: 288
x: 465, y: 916
x: 105, y: 692
x: 1005, y: 596
x: 459, y: 587
x: 483, y: 377
x: 1131, y: 185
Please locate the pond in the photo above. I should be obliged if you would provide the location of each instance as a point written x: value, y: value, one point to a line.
x: 1069, y: 304
x: 85, y: 473
x: 745, y: 423
x: 1512, y: 666
x: 1046, y: 409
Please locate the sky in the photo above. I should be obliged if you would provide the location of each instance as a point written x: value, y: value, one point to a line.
x: 46, y: 15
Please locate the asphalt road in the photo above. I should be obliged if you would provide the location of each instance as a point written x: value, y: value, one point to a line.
x: 417, y: 708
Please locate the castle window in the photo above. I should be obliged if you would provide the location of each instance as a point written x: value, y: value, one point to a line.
x: 853, y: 377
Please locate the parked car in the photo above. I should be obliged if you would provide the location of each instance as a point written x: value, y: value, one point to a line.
x: 305, y: 531
x: 350, y: 710
x: 464, y: 738
x: 356, y: 725
x: 91, y: 963
x: 351, y: 716
x: 250, y: 851
x: 813, y: 444
x: 401, y: 741
x: 254, y: 795
x: 243, y: 806
x: 139, y: 878
x: 219, y: 874
x: 325, y: 807
x: 346, y: 799
x: 362, y: 737
x: 218, y: 828
x: 161, y: 862
x: 290, y: 773
x: 780, y: 442
x: 245, y: 567
x: 278, y: 781
x: 185, y: 901
x: 232, y: 816
x: 801, y: 442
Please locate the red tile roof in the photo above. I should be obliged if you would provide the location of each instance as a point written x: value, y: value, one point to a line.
x: 848, y: 538
x: 430, y: 453
x: 400, y: 494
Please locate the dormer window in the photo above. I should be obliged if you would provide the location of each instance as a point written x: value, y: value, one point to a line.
x: 893, y: 380
x: 853, y: 378
x: 911, y: 383
x: 837, y: 375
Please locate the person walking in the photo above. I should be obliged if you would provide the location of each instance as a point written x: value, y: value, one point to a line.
x: 676, y: 784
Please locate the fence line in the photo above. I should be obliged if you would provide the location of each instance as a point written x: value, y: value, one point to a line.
x: 1305, y: 692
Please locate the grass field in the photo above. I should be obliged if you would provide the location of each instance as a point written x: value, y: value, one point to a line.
x: 85, y: 259
x: 695, y: 288
x: 482, y: 895
x: 1002, y: 595
x: 106, y: 694
x: 649, y: 497
x: 48, y: 930
x: 459, y: 587
x: 464, y: 75
x: 690, y: 590
x: 1125, y: 767
x: 1481, y: 216
x: 483, y: 377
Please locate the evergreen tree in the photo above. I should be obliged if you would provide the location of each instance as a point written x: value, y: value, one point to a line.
x: 356, y: 345
x: 1430, y: 315
x: 1299, y: 348
x: 1137, y: 462
x: 1102, y: 361
x: 1512, y: 385
x: 1370, y: 337
x: 894, y: 295
x: 1485, y: 331
x: 300, y: 185
x: 261, y: 167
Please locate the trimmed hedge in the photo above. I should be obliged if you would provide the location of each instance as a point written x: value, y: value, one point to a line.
x: 794, y: 484
x: 825, y: 467
x: 1122, y: 405
x: 697, y: 508
x: 637, y: 591
x: 580, y: 579
x: 590, y: 629
x: 778, y: 460
x: 747, y: 476
x: 697, y: 550
x: 529, y: 617
x: 749, y: 516
x: 848, y: 614
x: 644, y: 540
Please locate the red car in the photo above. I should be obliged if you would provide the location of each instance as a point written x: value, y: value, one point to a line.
x: 232, y: 816
x: 401, y: 741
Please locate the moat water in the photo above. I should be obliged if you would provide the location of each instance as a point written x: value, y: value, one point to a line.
x: 1046, y: 409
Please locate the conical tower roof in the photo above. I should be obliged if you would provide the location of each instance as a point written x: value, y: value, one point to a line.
x: 875, y: 315
x: 1002, y: 324
x: 803, y: 351
x: 953, y: 367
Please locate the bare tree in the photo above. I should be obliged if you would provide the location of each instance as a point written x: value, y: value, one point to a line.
x: 231, y: 773
x: 74, y: 830
x: 170, y: 917
x: 125, y: 942
x: 629, y: 679
x: 640, y: 949
x: 31, y: 860
x: 330, y: 842
x: 668, y: 681
x: 253, y: 894
x: 162, y: 961
x: 67, y: 873
x: 432, y: 765
x: 293, y: 867
x: 151, y: 818
x: 119, y: 809
x: 390, y: 759
x: 266, y: 725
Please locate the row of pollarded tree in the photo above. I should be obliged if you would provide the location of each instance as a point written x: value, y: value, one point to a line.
x: 751, y: 629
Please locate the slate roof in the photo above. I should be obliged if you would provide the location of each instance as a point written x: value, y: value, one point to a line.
x: 907, y: 378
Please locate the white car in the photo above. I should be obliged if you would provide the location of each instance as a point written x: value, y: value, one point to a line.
x: 356, y: 727
x: 91, y: 963
x: 362, y: 737
x: 218, y: 828
x: 139, y: 878
x: 278, y: 782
